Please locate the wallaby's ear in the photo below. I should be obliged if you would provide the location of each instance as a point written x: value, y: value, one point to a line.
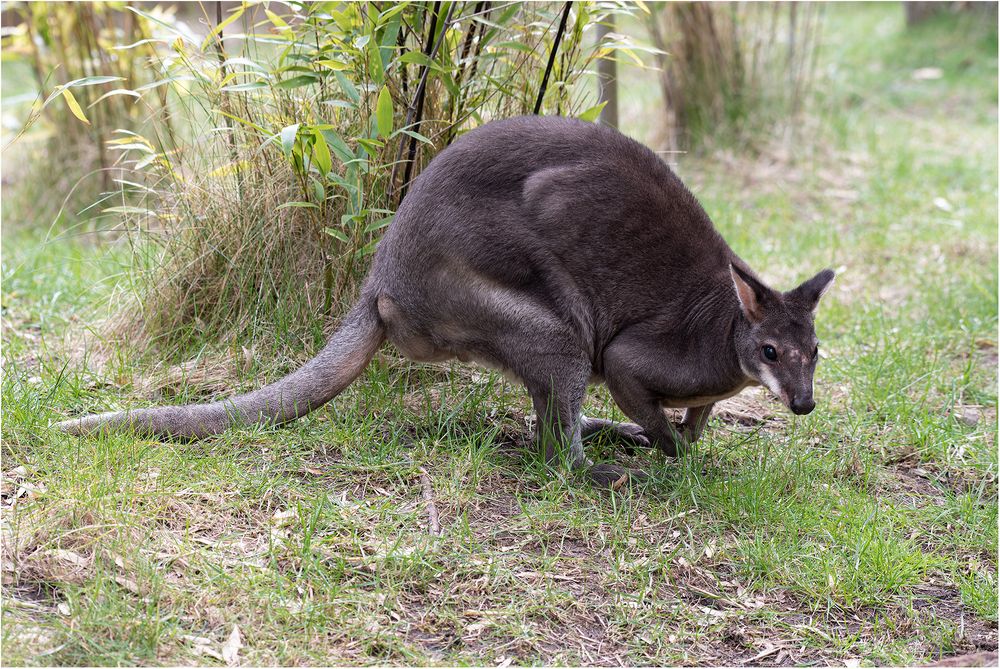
x: 752, y: 293
x: 810, y: 292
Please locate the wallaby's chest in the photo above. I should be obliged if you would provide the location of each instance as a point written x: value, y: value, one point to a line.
x: 684, y: 402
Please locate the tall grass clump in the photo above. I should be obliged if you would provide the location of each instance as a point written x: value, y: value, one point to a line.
x: 303, y: 125
x: 736, y: 72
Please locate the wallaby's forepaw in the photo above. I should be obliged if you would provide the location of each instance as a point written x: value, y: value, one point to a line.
x: 629, y: 435
x: 667, y: 445
x: 614, y: 477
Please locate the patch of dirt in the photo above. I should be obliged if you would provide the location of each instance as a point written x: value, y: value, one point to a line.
x: 982, y: 659
x: 912, y: 484
x: 918, y: 484
x: 749, y: 410
x: 988, y: 356
x: 945, y: 602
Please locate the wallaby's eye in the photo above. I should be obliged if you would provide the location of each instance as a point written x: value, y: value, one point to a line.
x: 769, y: 352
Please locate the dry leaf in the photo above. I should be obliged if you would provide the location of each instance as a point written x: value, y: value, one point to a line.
x: 231, y: 649
x: 202, y: 646
x: 769, y: 649
x: 284, y: 517
x: 942, y: 204
x: 68, y: 556
x: 927, y: 73
x: 128, y: 584
x: 620, y: 482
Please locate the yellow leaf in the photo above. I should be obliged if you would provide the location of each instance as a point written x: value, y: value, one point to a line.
x: 222, y: 26
x: 74, y: 106
x: 276, y: 20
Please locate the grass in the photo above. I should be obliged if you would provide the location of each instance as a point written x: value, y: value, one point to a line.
x: 867, y: 530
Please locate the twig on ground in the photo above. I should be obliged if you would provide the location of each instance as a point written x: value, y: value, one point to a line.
x: 433, y: 520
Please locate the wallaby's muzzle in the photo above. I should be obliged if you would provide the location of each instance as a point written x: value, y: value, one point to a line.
x: 800, y: 406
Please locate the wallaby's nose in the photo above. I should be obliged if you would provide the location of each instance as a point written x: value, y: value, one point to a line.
x: 802, y: 406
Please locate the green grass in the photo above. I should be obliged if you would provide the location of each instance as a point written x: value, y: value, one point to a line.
x: 865, y: 530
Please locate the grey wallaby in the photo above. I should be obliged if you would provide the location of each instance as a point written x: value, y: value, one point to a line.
x: 562, y: 253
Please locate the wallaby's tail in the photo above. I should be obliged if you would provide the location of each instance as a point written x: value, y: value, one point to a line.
x: 318, y: 381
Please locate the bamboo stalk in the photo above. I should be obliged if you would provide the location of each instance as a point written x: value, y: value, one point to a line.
x: 552, y: 57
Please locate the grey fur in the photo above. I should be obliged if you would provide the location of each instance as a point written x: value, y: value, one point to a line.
x: 562, y: 253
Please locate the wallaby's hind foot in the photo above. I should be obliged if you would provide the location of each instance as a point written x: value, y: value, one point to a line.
x: 607, y: 475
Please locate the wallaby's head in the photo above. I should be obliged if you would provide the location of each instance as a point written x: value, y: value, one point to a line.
x: 779, y: 347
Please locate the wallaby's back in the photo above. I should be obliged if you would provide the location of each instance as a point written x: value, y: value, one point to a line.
x: 572, y: 214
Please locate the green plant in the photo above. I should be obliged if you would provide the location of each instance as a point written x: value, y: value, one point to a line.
x: 305, y: 129
x: 82, y: 92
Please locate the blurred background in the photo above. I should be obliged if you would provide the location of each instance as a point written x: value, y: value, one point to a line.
x: 238, y: 162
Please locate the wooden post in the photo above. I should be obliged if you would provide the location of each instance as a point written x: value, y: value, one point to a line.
x: 920, y: 11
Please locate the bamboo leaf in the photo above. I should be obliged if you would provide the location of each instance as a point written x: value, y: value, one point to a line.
x: 248, y: 86
x: 334, y: 64
x: 288, y: 134
x: 298, y: 205
x: 92, y: 81
x: 418, y: 58
x: 349, y: 88
x: 396, y: 8
x: 222, y: 26
x: 321, y: 153
x: 593, y: 113
x: 297, y: 82
x: 278, y: 22
x: 130, y: 146
x: 336, y: 234
x: 240, y: 60
x: 383, y: 112
x: 74, y: 106
x: 173, y: 29
x: 339, y: 146
x: 376, y: 68
x: 368, y: 249
x: 414, y: 134
x: 378, y: 224
x: 117, y: 91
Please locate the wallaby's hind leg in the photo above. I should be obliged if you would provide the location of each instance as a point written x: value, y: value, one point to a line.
x: 557, y: 383
x: 557, y: 396
x: 553, y: 402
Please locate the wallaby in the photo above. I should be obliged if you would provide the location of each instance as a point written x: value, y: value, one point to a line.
x: 562, y: 253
